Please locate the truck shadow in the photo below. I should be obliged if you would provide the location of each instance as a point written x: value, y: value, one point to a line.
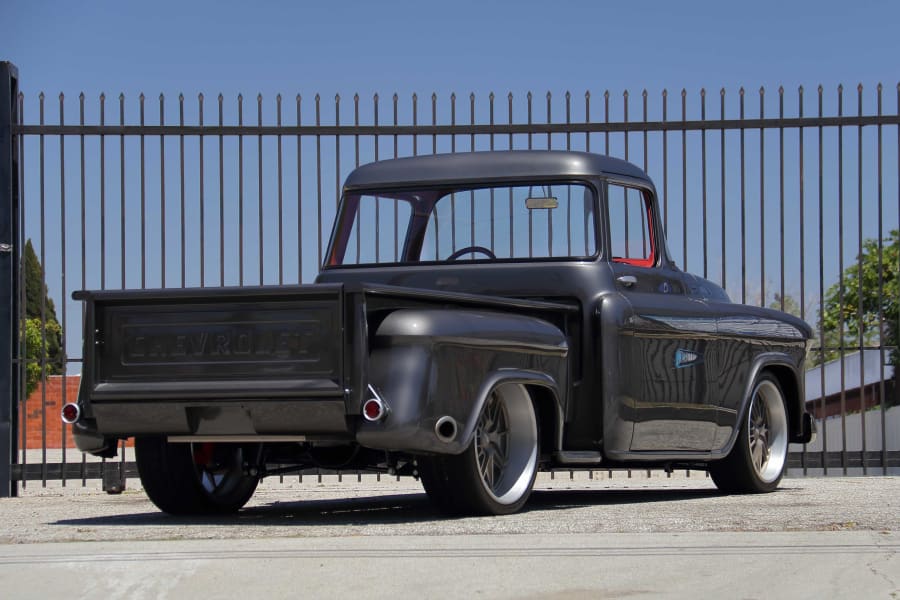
x: 563, y: 499
x: 395, y: 509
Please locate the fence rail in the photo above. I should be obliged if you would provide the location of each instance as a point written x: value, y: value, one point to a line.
x: 777, y: 207
x: 459, y: 129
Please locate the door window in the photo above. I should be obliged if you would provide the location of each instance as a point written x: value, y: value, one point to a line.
x: 630, y: 227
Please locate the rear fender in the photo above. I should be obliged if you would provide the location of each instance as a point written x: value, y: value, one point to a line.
x: 427, y: 364
x: 515, y: 377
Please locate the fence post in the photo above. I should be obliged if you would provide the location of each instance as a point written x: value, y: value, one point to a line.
x: 9, y: 265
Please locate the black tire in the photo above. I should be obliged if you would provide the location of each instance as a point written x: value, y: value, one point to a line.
x: 193, y: 479
x: 496, y: 473
x: 758, y: 459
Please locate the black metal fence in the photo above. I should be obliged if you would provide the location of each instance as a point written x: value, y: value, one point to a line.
x: 777, y: 196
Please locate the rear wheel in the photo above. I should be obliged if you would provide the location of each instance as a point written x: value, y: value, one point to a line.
x: 193, y: 479
x: 496, y: 472
x: 758, y: 459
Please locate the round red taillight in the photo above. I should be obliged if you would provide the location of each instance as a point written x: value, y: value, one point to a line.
x: 70, y: 413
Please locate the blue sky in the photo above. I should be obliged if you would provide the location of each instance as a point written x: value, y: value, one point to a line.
x: 386, y: 47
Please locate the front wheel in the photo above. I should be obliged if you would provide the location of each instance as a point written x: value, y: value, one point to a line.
x: 757, y: 461
x: 193, y: 479
x: 496, y: 472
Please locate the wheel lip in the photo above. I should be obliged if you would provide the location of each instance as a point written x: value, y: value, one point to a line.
x: 767, y: 392
x: 522, y: 423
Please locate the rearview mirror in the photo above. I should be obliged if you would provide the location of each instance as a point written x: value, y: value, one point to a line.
x: 541, y: 203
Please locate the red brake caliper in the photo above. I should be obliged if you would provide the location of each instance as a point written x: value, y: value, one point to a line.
x: 203, y: 453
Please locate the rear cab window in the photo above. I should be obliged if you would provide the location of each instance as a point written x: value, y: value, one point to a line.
x: 537, y: 220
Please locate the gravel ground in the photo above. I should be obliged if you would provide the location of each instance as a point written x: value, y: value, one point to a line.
x: 561, y: 505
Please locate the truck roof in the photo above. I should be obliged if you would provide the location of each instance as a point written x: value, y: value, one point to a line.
x: 492, y: 165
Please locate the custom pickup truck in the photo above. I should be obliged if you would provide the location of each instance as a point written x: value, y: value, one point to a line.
x: 478, y: 317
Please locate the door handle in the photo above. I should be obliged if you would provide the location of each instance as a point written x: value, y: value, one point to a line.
x: 627, y: 280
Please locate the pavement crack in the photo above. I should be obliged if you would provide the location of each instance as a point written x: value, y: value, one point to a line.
x: 875, y: 569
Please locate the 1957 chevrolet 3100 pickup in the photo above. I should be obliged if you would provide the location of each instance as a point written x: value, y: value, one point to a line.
x: 478, y: 317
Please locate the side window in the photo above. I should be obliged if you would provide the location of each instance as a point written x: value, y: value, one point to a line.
x: 378, y: 229
x: 630, y: 229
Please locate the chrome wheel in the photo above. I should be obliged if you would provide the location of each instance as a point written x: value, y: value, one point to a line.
x: 495, y: 474
x: 757, y: 460
x: 505, y: 444
x: 767, y: 432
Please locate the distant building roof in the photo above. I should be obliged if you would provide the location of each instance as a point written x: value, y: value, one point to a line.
x: 865, y: 364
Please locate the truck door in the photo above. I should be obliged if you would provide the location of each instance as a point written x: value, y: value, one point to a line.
x: 665, y: 344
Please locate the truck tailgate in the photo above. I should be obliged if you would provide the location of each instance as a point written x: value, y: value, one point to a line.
x: 215, y: 344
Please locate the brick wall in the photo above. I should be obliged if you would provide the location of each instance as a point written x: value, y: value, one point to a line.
x: 41, y: 413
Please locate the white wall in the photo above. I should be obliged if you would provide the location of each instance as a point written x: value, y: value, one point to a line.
x: 833, y: 431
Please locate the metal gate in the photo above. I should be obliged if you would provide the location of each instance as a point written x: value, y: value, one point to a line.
x: 780, y: 197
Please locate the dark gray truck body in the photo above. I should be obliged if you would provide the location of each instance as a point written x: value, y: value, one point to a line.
x: 626, y: 362
x: 295, y: 363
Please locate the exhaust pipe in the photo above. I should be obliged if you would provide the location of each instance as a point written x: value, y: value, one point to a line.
x: 445, y: 429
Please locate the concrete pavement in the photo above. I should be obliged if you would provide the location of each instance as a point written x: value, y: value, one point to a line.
x: 578, y: 538
x: 858, y: 564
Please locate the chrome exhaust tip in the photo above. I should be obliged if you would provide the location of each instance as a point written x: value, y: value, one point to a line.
x: 446, y: 429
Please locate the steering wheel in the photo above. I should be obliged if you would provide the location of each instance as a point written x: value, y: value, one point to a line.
x: 470, y: 249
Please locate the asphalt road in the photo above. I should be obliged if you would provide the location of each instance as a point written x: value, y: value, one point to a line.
x: 639, y: 537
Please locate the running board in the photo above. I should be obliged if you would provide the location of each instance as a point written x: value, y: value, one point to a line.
x: 578, y: 457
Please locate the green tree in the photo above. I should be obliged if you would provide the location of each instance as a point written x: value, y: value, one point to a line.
x: 34, y: 342
x: 42, y: 332
x: 791, y: 306
x: 35, y: 288
x: 871, y: 284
